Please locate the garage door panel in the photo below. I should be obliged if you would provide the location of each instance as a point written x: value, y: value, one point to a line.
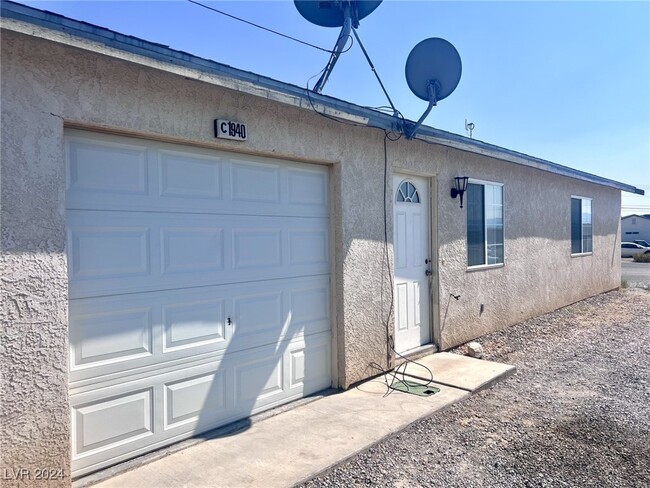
x: 124, y: 252
x: 167, y: 423
x: 307, y: 187
x: 255, y: 182
x: 106, y: 338
x: 257, y: 379
x: 124, y: 334
x: 106, y: 167
x: 269, y: 312
x: 256, y: 247
x: 308, y: 246
x: 107, y: 174
x: 195, y: 250
x: 186, y: 176
x: 308, y: 367
x: 257, y: 314
x: 199, y: 291
x: 310, y: 305
x: 192, y: 400
x: 110, y: 422
x: 194, y: 323
x: 100, y: 253
x: 263, y: 377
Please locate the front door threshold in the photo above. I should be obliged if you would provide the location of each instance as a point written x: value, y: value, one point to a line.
x: 415, y: 353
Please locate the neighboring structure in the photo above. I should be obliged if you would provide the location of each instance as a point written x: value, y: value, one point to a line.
x: 635, y: 227
x: 159, y: 282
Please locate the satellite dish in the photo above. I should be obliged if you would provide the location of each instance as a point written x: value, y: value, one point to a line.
x: 330, y: 13
x: 433, y: 70
x: 335, y: 13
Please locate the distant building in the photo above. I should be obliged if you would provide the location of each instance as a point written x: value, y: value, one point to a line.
x: 635, y: 227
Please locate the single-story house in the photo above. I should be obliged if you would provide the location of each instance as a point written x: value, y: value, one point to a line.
x: 635, y: 227
x: 159, y: 281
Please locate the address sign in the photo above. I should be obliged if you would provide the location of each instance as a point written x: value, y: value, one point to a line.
x: 227, y: 129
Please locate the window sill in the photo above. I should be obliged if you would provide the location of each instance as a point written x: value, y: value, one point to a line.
x: 581, y: 254
x: 482, y: 267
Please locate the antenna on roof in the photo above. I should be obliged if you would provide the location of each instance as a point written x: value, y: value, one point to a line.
x: 335, y: 13
x: 433, y: 71
x: 469, y: 128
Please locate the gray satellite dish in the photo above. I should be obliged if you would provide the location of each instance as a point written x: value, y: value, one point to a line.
x: 433, y: 70
x: 335, y: 13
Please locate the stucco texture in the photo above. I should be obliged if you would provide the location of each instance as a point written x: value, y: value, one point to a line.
x: 539, y: 273
x: 45, y: 84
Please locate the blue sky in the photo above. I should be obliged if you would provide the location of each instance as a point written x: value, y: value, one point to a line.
x: 564, y: 81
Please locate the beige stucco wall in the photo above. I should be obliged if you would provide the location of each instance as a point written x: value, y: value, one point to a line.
x: 34, y: 416
x: 539, y: 273
x: 45, y: 84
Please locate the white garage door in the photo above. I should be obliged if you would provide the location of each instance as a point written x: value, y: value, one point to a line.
x: 199, y: 291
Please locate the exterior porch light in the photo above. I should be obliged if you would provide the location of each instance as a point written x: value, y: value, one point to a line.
x: 460, y: 185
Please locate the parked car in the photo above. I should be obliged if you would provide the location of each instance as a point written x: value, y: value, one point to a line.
x: 642, y: 242
x: 629, y: 249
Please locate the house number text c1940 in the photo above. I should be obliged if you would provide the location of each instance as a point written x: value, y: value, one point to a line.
x: 227, y: 129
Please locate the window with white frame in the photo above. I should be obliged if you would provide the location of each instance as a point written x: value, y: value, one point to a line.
x: 484, y: 223
x: 581, y: 231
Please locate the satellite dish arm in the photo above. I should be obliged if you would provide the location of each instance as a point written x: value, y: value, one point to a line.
x: 338, y: 48
x: 432, y: 88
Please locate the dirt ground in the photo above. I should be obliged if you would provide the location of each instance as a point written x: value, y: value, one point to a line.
x: 576, y: 413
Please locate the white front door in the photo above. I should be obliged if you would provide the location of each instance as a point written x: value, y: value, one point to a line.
x: 412, y: 262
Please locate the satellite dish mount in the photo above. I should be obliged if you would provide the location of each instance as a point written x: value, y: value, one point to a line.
x: 335, y: 13
x: 433, y: 87
x: 347, y: 9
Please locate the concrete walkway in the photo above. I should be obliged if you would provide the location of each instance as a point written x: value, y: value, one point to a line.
x: 301, y: 442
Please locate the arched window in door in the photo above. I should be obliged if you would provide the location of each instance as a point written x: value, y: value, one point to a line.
x: 407, y: 193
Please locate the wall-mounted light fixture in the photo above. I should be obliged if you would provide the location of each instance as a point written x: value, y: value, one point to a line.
x: 460, y: 187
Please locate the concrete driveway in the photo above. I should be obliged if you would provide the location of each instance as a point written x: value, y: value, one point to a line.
x: 637, y: 275
x: 299, y: 443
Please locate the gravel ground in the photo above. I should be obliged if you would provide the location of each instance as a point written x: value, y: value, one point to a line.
x: 576, y: 413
